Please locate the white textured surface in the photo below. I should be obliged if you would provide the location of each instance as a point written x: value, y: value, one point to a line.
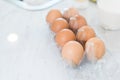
x: 34, y: 56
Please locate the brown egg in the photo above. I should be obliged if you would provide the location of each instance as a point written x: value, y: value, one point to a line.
x: 59, y: 24
x: 64, y: 36
x: 53, y: 15
x: 77, y: 22
x: 72, y: 52
x: 84, y: 33
x: 95, y: 49
x: 70, y: 12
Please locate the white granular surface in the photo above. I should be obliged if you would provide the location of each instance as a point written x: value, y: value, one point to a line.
x: 35, y: 56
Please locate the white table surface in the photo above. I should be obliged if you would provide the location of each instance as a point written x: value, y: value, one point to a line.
x: 34, y: 56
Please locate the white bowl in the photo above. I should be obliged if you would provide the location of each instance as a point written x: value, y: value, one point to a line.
x: 109, y: 14
x: 34, y: 4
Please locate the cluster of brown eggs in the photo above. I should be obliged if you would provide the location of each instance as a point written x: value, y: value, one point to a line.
x: 74, y: 36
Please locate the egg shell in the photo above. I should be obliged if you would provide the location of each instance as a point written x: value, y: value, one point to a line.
x: 70, y: 12
x: 64, y: 36
x: 84, y: 33
x: 53, y: 15
x: 95, y: 49
x: 72, y: 52
x: 77, y: 22
x: 59, y: 24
